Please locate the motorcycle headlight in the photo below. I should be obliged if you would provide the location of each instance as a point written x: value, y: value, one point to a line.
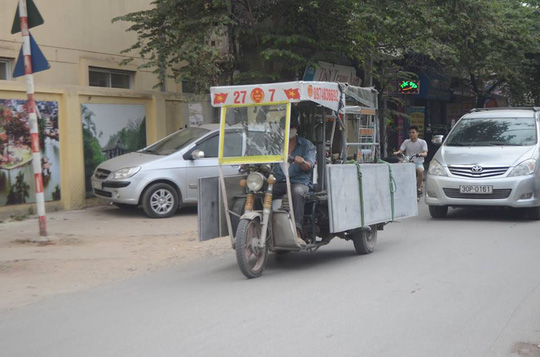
x: 525, y: 168
x: 255, y: 181
x: 436, y: 169
x: 124, y: 173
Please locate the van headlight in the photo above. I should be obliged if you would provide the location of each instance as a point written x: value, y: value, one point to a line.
x: 436, y: 169
x: 255, y: 181
x: 525, y: 168
x: 124, y: 173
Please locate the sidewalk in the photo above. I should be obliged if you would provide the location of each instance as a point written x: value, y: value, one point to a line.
x: 91, y: 247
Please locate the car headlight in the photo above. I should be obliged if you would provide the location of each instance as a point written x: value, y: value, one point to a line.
x: 525, y: 168
x: 124, y: 173
x: 255, y: 181
x: 436, y: 169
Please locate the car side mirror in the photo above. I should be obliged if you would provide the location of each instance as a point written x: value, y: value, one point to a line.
x: 197, y: 154
x: 437, y: 139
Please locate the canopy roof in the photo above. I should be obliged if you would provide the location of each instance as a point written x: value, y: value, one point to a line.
x: 328, y: 94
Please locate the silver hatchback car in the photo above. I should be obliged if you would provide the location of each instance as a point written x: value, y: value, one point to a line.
x: 164, y: 176
x: 491, y: 157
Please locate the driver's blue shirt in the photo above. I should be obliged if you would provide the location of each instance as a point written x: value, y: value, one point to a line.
x: 308, y: 151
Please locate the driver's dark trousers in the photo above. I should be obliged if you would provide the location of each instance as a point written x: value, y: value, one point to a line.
x: 299, y: 195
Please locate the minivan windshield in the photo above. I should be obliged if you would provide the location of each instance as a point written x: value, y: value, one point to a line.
x: 493, y: 132
x: 175, y: 141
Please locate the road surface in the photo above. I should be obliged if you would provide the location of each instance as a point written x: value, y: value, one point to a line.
x: 468, y: 285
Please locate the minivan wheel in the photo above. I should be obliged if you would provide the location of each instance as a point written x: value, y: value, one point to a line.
x: 438, y: 211
x: 160, y: 201
x: 534, y: 213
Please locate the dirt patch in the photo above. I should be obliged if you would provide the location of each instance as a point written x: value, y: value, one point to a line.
x: 525, y: 349
x: 91, y: 247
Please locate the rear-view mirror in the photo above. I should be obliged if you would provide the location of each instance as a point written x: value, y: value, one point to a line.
x: 197, y: 154
x: 437, y: 139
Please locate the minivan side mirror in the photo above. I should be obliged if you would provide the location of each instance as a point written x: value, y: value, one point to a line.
x: 437, y: 139
x: 197, y: 154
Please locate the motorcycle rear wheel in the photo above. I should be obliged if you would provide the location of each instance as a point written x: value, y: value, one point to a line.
x: 251, y: 259
x: 364, y: 240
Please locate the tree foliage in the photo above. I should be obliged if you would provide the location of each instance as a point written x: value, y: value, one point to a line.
x: 487, y: 44
x: 268, y: 40
x: 176, y: 34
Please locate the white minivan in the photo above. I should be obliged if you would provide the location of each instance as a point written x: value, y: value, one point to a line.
x: 489, y: 158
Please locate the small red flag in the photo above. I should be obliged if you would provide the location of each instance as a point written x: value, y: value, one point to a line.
x: 292, y: 93
x: 220, y: 98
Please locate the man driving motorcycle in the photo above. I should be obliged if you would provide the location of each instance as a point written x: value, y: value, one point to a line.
x: 303, y: 154
x: 418, y: 150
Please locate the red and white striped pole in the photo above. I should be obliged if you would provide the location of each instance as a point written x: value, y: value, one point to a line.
x: 34, y: 133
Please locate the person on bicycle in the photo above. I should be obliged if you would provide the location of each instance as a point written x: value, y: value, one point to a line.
x: 417, y: 149
x: 303, y: 155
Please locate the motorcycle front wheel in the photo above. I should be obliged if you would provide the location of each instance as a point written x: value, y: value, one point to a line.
x: 250, y: 257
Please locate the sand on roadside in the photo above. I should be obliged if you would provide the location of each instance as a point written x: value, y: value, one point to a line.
x: 91, y: 247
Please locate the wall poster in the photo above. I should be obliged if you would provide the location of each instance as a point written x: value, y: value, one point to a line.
x: 110, y: 130
x: 16, y: 172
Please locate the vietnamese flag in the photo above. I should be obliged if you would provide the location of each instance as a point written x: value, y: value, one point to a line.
x: 292, y: 93
x: 220, y: 98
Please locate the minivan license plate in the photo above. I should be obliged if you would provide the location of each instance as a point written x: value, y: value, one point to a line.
x: 476, y: 189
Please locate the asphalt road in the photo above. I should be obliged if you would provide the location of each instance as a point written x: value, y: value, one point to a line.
x: 468, y: 285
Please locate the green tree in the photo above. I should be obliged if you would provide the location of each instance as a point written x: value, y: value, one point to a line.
x: 267, y: 40
x: 486, y: 43
x: 176, y: 35
x: 281, y: 38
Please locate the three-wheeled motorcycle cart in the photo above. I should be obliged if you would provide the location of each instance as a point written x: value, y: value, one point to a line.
x: 353, y: 194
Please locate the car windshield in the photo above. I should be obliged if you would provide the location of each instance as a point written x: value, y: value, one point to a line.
x: 175, y: 141
x: 493, y: 132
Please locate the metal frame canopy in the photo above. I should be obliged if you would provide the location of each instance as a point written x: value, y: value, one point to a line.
x: 331, y: 95
x: 327, y: 94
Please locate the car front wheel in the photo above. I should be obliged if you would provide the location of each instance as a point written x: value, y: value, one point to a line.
x: 160, y: 201
x: 438, y: 211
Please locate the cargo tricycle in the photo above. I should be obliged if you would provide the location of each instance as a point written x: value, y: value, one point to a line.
x: 352, y: 194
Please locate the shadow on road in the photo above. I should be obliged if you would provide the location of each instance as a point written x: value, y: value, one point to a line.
x: 489, y: 214
x: 131, y: 212
x: 280, y: 266
x: 302, y: 260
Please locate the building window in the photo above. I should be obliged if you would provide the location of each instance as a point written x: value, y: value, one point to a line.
x: 188, y: 87
x: 112, y: 78
x: 5, y: 68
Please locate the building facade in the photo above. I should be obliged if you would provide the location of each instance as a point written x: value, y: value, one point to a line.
x: 85, y: 99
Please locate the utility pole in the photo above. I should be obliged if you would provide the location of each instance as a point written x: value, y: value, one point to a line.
x: 27, y: 65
